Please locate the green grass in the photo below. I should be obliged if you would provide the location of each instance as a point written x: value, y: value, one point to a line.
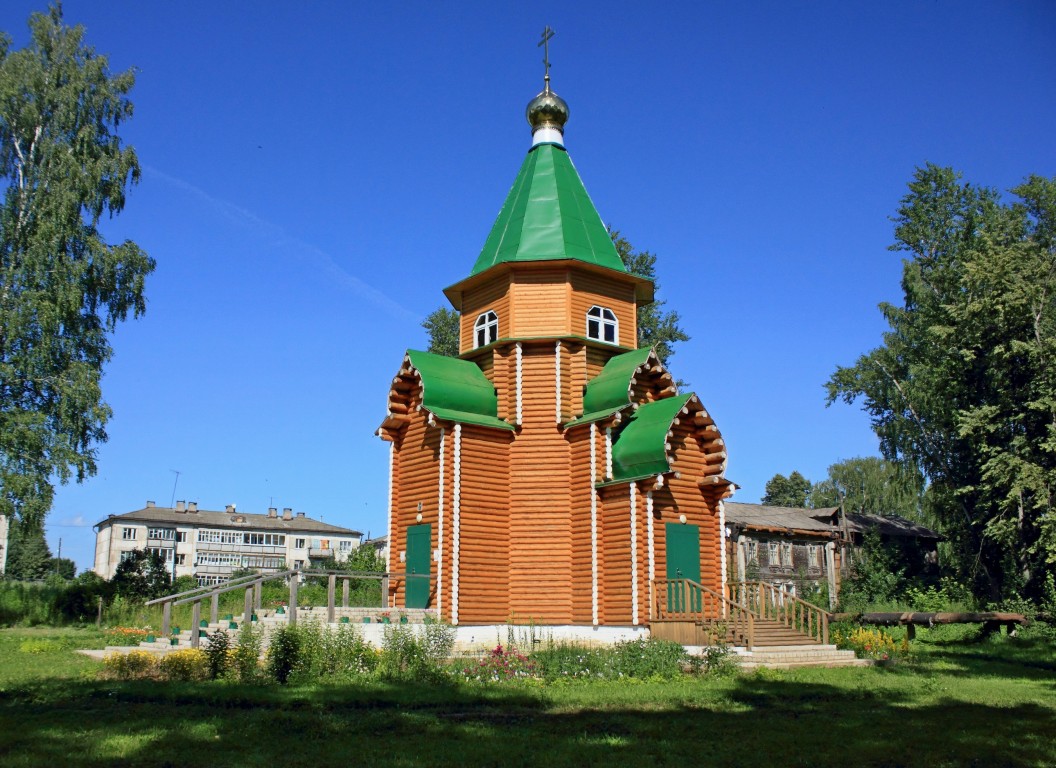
x: 956, y: 703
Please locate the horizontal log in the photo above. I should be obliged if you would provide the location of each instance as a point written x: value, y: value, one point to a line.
x: 928, y: 619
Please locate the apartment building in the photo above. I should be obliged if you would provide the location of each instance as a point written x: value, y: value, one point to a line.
x: 211, y: 545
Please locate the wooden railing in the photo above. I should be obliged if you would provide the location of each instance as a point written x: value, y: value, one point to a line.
x: 253, y: 585
x: 687, y: 600
x: 769, y: 602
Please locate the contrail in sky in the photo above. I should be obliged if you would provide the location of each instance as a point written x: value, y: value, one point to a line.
x: 322, y: 261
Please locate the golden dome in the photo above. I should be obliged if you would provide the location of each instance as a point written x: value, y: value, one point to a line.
x: 547, y: 110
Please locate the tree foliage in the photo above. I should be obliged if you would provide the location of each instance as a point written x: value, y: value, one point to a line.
x: 141, y: 576
x: 791, y: 491
x: 28, y: 555
x: 872, y: 485
x: 964, y: 385
x: 442, y: 327
x: 62, y: 287
x: 656, y: 327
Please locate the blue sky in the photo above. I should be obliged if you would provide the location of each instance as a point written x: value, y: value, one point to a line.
x: 315, y: 173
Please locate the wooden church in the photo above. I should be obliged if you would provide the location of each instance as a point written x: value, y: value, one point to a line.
x: 551, y: 472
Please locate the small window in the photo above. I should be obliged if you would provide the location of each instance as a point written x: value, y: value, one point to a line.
x: 772, y: 552
x: 128, y: 534
x: 812, y: 556
x: 181, y: 536
x: 602, y: 325
x: 298, y: 543
x: 786, y: 554
x: 752, y: 552
x: 486, y: 329
x: 181, y: 559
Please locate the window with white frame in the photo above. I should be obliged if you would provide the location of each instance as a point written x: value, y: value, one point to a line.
x: 298, y: 543
x: 181, y: 536
x: 344, y: 546
x: 163, y: 552
x: 211, y: 581
x: 786, y: 554
x: 267, y: 539
x: 751, y: 552
x: 486, y: 329
x: 812, y: 556
x: 602, y: 325
x: 181, y: 559
x: 128, y: 534
x: 773, y: 557
x: 128, y: 555
x: 161, y: 533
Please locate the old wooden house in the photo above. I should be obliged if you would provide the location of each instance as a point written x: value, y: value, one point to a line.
x: 551, y: 472
x: 785, y: 546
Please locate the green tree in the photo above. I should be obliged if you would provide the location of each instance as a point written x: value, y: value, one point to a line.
x: 964, y: 385
x: 62, y: 287
x: 872, y: 485
x: 656, y: 327
x: 28, y: 555
x: 62, y: 566
x: 141, y: 576
x: 442, y: 326
x: 791, y: 491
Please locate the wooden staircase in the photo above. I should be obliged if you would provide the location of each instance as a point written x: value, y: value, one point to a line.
x: 765, y: 626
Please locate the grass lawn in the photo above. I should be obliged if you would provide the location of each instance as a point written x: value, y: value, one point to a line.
x: 989, y: 704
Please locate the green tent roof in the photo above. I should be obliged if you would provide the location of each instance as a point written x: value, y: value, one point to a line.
x: 457, y: 390
x: 639, y: 451
x: 548, y: 215
x: 610, y: 390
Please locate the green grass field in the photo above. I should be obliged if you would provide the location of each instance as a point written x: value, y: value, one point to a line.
x: 956, y: 703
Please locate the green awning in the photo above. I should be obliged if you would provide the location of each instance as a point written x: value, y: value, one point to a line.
x: 548, y: 215
x: 639, y: 450
x: 457, y: 390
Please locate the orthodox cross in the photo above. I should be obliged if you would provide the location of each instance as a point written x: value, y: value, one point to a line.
x: 545, y: 43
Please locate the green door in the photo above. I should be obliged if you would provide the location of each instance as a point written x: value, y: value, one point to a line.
x: 683, y: 562
x: 419, y: 558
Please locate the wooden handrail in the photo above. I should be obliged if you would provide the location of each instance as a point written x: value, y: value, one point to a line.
x: 767, y: 601
x: 688, y: 600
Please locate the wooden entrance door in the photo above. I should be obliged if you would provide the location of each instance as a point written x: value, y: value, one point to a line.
x: 418, y: 564
x: 683, y: 562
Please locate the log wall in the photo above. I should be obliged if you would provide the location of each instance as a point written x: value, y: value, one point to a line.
x: 540, y: 303
x: 484, y: 558
x: 415, y: 478
x: 540, y: 556
x: 493, y: 295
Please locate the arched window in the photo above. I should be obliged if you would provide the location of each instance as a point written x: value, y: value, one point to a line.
x: 602, y: 325
x: 486, y: 329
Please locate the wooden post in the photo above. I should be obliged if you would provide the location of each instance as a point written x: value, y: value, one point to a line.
x: 824, y: 628
x: 293, y: 598
x: 247, y: 609
x: 166, y: 618
x: 345, y: 583
x: 385, y: 591
x: 258, y: 590
x: 331, y: 591
x: 99, y: 614
x: 196, y: 618
x: 911, y: 632
x: 214, y: 609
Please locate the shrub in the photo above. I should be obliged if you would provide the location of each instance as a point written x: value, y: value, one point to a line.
x: 870, y: 643
x: 647, y: 659
x: 134, y: 665
x: 246, y: 656
x: 343, y: 652
x: 284, y: 653
x: 126, y: 635
x: 185, y: 665
x: 218, y: 654
x: 406, y: 654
